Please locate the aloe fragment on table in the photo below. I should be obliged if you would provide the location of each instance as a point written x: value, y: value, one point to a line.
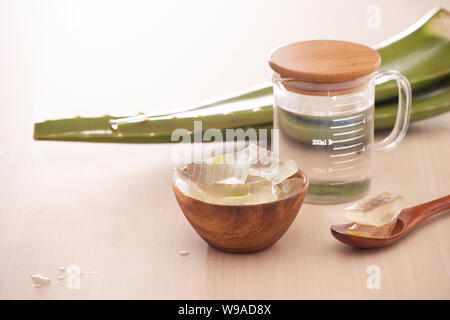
x: 423, y: 55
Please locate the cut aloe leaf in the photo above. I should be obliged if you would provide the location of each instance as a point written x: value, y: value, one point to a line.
x: 422, y: 53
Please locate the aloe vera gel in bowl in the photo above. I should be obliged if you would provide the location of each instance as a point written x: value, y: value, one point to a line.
x: 251, y: 176
x: 324, y: 93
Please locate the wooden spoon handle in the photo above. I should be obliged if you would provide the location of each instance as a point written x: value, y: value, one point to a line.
x: 413, y: 215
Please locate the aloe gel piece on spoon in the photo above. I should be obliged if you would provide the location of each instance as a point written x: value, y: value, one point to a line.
x: 374, y: 217
x: 367, y: 231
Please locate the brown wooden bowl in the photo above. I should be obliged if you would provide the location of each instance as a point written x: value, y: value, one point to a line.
x: 242, y: 228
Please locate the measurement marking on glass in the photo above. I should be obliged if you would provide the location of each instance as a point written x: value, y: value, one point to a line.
x: 330, y: 142
x: 319, y: 142
x: 331, y: 170
x: 347, y: 161
x: 348, y: 147
x: 342, y: 112
x: 363, y: 121
x: 347, y: 154
x: 348, y: 118
x: 349, y: 132
x: 346, y: 105
x: 343, y: 182
x: 350, y: 175
x: 343, y: 169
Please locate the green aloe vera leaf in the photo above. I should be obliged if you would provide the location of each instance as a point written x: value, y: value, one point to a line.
x: 259, y: 91
x: 240, y: 114
x: 428, y: 105
x: 431, y: 38
x: 157, y: 129
x: 241, y: 96
x: 108, y: 136
x: 421, y: 54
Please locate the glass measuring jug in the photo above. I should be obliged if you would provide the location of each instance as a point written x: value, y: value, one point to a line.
x: 328, y: 127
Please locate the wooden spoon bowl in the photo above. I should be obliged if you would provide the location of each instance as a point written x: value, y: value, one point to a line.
x: 408, y: 219
x: 242, y: 228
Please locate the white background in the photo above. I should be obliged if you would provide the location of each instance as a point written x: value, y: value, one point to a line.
x: 63, y: 58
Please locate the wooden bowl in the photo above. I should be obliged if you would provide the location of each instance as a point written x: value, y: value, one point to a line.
x: 242, y: 228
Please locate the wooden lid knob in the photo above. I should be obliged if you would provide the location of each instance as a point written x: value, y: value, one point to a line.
x: 324, y: 61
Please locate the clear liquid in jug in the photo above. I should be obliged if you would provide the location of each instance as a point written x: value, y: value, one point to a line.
x: 332, y: 144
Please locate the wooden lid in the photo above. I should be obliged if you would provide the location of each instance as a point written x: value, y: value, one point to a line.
x: 324, y: 61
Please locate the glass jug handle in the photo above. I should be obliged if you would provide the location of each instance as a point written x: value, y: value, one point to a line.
x: 404, y: 109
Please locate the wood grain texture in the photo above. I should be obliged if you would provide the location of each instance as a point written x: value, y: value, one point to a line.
x: 111, y: 208
x: 242, y: 229
x: 408, y: 219
x: 324, y: 61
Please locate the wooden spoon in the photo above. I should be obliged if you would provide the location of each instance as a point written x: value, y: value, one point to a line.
x: 408, y: 219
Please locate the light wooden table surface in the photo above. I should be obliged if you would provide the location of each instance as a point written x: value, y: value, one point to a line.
x: 110, y: 207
